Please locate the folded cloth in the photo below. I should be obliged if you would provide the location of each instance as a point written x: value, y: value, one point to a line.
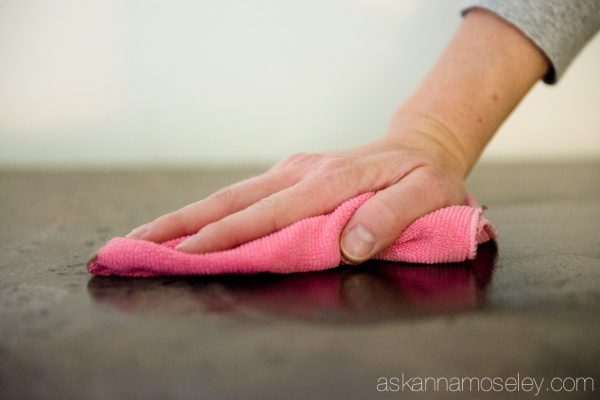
x: 450, y: 234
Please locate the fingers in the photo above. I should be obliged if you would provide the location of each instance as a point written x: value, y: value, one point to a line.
x: 307, y: 198
x: 191, y: 218
x: 382, y: 218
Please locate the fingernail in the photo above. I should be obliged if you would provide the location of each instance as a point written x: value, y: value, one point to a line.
x: 358, y: 243
x: 138, y: 232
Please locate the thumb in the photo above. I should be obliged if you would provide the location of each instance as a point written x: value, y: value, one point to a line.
x: 381, y: 219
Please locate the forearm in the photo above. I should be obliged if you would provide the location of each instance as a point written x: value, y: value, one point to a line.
x: 485, y: 71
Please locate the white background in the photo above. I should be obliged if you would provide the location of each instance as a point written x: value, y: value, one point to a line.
x: 136, y: 83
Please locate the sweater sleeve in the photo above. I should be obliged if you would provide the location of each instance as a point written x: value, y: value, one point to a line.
x: 560, y: 28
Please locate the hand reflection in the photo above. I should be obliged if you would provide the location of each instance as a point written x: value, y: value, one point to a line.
x: 367, y: 292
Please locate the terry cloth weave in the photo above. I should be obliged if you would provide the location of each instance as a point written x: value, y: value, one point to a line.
x: 449, y: 234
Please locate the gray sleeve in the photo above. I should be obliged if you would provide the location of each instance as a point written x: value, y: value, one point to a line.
x: 560, y: 28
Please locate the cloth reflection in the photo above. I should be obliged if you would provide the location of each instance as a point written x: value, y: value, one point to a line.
x: 371, y: 291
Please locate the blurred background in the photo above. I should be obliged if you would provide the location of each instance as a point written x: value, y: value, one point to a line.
x: 113, y: 83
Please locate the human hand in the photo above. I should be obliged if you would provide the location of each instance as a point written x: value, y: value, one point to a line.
x: 418, y: 167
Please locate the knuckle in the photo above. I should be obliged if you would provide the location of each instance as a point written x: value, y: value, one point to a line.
x: 335, y: 175
x: 270, y: 204
x: 296, y: 166
x: 389, y: 209
x: 270, y: 209
x: 172, y: 219
x: 336, y: 164
x: 332, y: 173
x: 300, y: 158
x: 225, y: 197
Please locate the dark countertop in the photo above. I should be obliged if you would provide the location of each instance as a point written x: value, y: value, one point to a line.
x: 531, y: 306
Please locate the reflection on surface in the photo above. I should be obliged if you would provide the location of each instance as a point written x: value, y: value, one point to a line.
x: 371, y: 291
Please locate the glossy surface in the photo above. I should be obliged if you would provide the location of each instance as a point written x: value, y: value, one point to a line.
x: 530, y: 306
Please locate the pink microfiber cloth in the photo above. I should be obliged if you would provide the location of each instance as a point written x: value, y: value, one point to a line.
x: 449, y: 234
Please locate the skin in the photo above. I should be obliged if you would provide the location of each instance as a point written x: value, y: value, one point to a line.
x: 418, y: 166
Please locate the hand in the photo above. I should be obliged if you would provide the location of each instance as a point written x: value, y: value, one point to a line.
x: 416, y: 168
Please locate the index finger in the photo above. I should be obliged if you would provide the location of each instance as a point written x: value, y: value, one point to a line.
x: 190, y: 218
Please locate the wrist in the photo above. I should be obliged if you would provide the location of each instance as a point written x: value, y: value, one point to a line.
x: 481, y: 77
x: 425, y: 131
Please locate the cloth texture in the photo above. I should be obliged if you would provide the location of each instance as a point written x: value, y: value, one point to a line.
x: 560, y: 28
x: 449, y: 234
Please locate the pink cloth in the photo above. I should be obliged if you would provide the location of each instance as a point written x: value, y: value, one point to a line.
x: 449, y: 234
